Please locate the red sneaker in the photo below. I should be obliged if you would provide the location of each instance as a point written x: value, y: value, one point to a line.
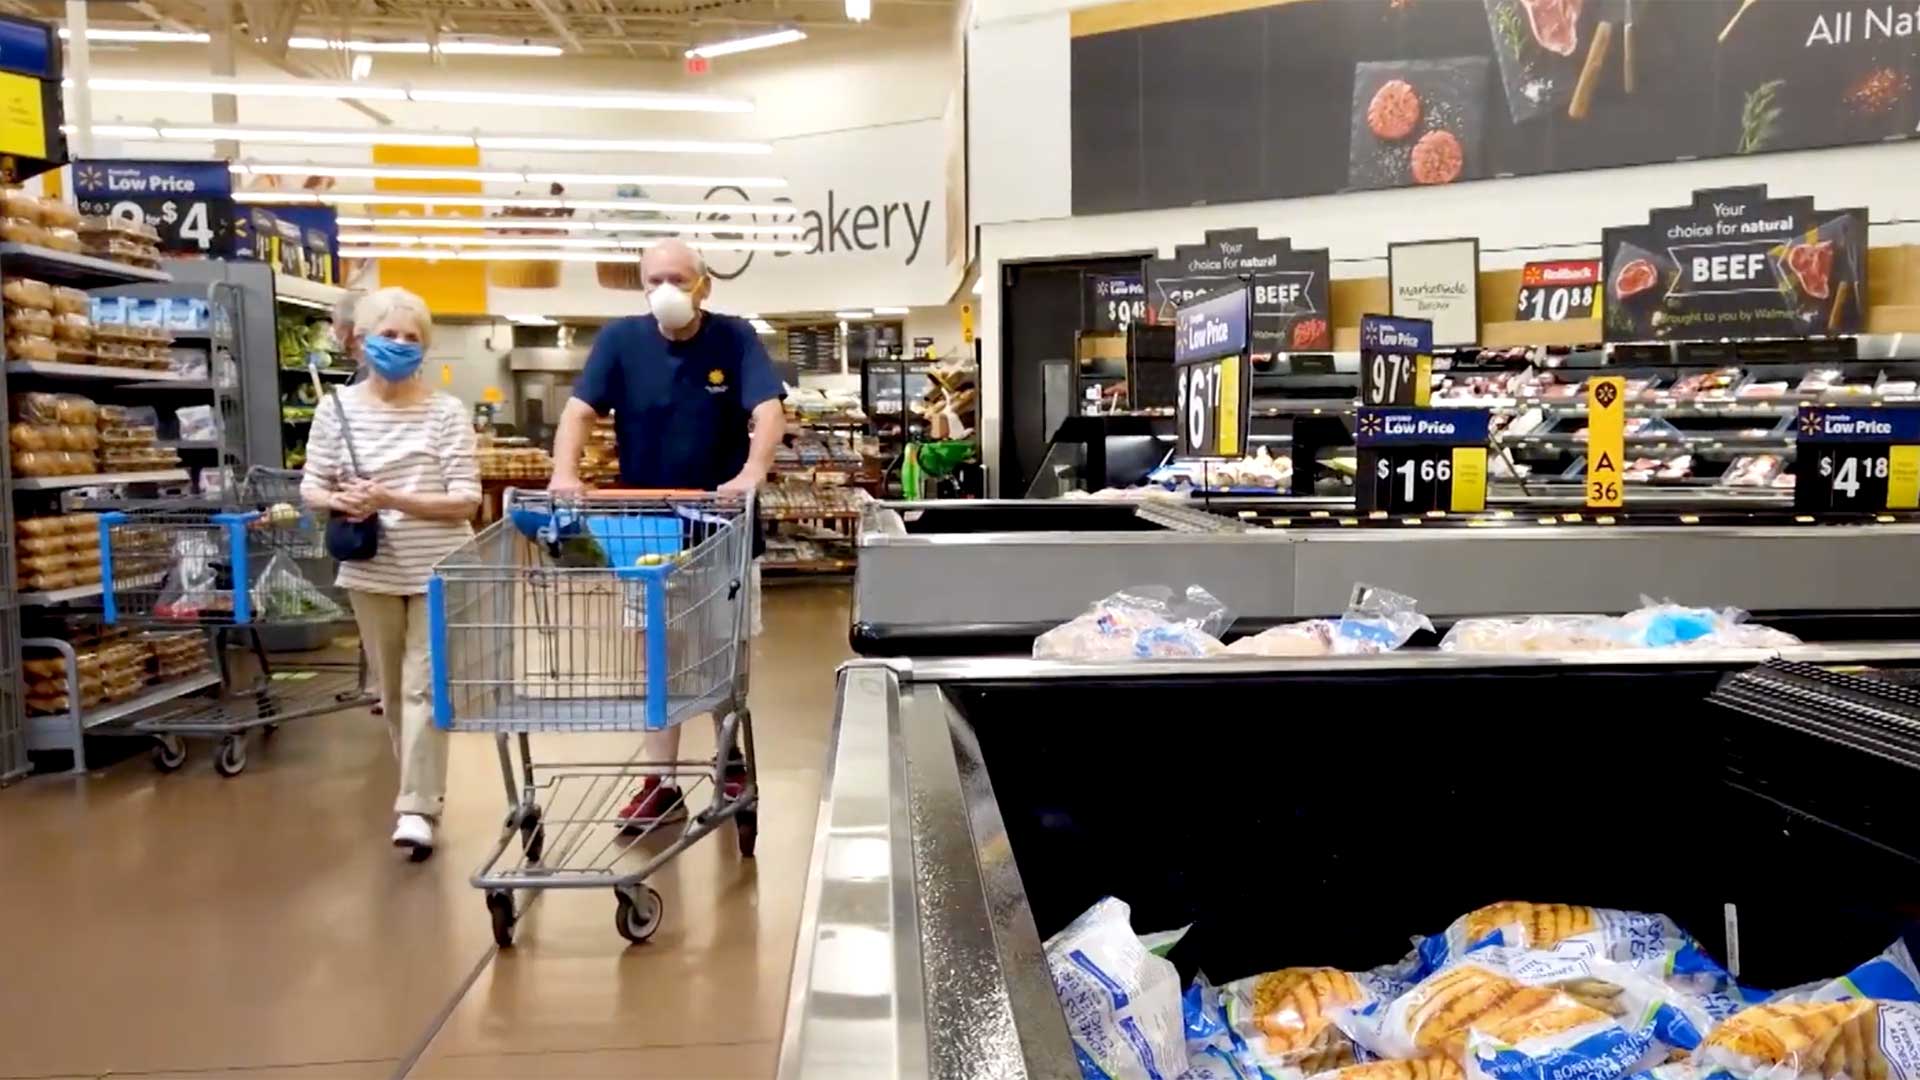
x: 654, y: 804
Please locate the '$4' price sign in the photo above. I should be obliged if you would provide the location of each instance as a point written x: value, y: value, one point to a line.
x: 187, y: 225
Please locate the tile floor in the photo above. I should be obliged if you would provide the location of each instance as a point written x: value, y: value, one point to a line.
x: 261, y: 927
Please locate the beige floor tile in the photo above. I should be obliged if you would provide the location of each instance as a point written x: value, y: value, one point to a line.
x: 737, y: 1061
x: 211, y: 926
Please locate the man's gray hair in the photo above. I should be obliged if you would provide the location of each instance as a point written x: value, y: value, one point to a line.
x: 343, y: 308
x: 699, y: 260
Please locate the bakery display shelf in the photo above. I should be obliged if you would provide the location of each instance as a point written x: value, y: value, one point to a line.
x: 51, y: 483
x: 66, y: 268
x: 809, y: 566
x: 799, y: 514
x: 184, y: 383
x: 155, y: 695
x: 94, y: 372
x: 49, y: 597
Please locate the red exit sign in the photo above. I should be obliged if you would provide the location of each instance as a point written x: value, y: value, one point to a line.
x: 698, y: 65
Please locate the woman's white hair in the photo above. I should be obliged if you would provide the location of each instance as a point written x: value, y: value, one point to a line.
x: 374, y: 308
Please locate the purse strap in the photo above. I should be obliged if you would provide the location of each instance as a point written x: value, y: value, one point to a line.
x: 333, y: 394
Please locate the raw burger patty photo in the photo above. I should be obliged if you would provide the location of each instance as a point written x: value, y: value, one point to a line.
x: 1437, y: 158
x: 1395, y: 110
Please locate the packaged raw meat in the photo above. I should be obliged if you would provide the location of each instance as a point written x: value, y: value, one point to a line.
x: 1313, y: 637
x: 1122, y: 1003
x: 1138, y: 624
x: 1213, y: 1053
x: 1534, y: 634
x: 1891, y: 976
x: 1752, y: 470
x: 1377, y: 620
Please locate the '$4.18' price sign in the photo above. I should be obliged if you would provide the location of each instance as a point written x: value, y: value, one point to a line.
x: 1857, y: 461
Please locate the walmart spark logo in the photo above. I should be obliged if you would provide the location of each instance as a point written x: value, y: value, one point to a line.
x: 1370, y: 424
x: 91, y: 176
x: 716, y: 377
x: 1812, y: 422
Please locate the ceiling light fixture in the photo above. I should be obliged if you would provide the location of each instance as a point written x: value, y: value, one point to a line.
x: 561, y: 143
x: 532, y: 320
x: 760, y: 326
x: 392, y: 137
x: 422, y: 48
x: 549, y: 224
x: 852, y: 316
x: 152, y: 37
x: 749, y: 44
x: 649, y: 102
x: 889, y: 311
x: 362, y: 67
x: 427, y: 198
x: 625, y: 255
x: 859, y: 10
x: 496, y: 176
x: 366, y: 240
x: 531, y: 99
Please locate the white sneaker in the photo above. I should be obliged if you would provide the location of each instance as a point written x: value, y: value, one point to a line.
x: 415, y: 832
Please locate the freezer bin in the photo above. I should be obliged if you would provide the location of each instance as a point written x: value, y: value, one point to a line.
x: 1302, y: 813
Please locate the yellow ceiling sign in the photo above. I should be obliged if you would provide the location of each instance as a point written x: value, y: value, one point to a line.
x: 23, y: 122
x: 1133, y: 14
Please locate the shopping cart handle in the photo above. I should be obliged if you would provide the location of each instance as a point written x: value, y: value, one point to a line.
x: 650, y: 493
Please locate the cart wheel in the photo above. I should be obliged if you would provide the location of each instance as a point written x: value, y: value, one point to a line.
x: 500, y: 908
x: 533, y: 838
x: 231, y: 758
x: 637, y: 913
x: 169, y: 752
x: 746, y: 828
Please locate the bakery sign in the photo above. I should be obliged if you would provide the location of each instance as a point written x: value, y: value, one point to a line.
x: 1736, y: 264
x: 1289, y: 287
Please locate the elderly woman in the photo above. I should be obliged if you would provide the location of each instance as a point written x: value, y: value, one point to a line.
x: 417, y: 470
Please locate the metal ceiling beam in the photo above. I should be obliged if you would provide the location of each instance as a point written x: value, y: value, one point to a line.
x: 559, y: 25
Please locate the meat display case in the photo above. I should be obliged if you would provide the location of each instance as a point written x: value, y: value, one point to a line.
x: 973, y: 808
x: 1029, y: 566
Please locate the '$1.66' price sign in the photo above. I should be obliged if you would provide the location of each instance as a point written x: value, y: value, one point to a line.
x: 1857, y: 461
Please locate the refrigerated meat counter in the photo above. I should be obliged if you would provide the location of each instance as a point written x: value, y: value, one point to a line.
x: 970, y: 578
x: 1316, y: 812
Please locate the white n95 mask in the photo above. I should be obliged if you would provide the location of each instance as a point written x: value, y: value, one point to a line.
x: 671, y: 306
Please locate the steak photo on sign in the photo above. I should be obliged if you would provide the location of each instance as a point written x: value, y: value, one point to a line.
x: 1540, y: 45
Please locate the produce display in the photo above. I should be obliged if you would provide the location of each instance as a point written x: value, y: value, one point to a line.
x: 1512, y: 991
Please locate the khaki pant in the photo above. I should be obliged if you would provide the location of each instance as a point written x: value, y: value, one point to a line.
x: 393, y: 629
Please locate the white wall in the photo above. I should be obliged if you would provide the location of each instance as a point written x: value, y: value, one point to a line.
x: 475, y: 354
x: 1022, y: 189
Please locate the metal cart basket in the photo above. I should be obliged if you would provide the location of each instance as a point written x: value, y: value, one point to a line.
x: 235, y: 564
x: 618, y: 612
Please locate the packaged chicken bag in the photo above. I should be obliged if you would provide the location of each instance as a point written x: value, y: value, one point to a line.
x: 1891, y: 976
x: 1145, y: 623
x: 1509, y: 1014
x: 1649, y: 943
x: 1285, y: 1018
x: 1122, y: 1002
x: 1857, y: 1039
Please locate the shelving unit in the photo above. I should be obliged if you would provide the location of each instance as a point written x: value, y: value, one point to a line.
x: 66, y: 731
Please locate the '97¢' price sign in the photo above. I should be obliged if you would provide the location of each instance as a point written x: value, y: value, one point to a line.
x: 1857, y: 461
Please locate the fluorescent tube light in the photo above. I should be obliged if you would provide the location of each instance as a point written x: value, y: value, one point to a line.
x: 575, y: 224
x: 493, y: 176
x: 851, y: 316
x: 634, y: 146
x: 748, y: 44
x: 421, y: 48
x: 154, y: 37
x: 859, y: 10
x: 364, y: 92
x: 889, y: 311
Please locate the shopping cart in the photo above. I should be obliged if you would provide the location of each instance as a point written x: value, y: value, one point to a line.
x: 239, y: 564
x: 613, y: 613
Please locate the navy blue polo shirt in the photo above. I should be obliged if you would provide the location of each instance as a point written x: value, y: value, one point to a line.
x: 680, y: 407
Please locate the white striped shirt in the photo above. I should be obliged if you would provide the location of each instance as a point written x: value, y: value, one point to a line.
x: 426, y: 448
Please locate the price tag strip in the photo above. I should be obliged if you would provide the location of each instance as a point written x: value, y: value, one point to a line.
x: 1396, y: 361
x: 1416, y: 461
x: 1559, y: 290
x: 1857, y: 461
x: 1214, y: 399
x: 1606, y: 442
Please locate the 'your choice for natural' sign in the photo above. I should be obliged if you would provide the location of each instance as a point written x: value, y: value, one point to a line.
x: 870, y: 206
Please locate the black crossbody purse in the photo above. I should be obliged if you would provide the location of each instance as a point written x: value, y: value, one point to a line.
x: 350, y: 541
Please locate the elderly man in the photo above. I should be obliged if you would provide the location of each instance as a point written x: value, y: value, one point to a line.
x: 696, y: 405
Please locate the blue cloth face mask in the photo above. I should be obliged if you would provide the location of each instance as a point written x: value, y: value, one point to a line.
x: 393, y: 360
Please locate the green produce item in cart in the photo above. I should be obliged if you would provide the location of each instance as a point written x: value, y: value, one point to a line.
x: 581, y: 552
